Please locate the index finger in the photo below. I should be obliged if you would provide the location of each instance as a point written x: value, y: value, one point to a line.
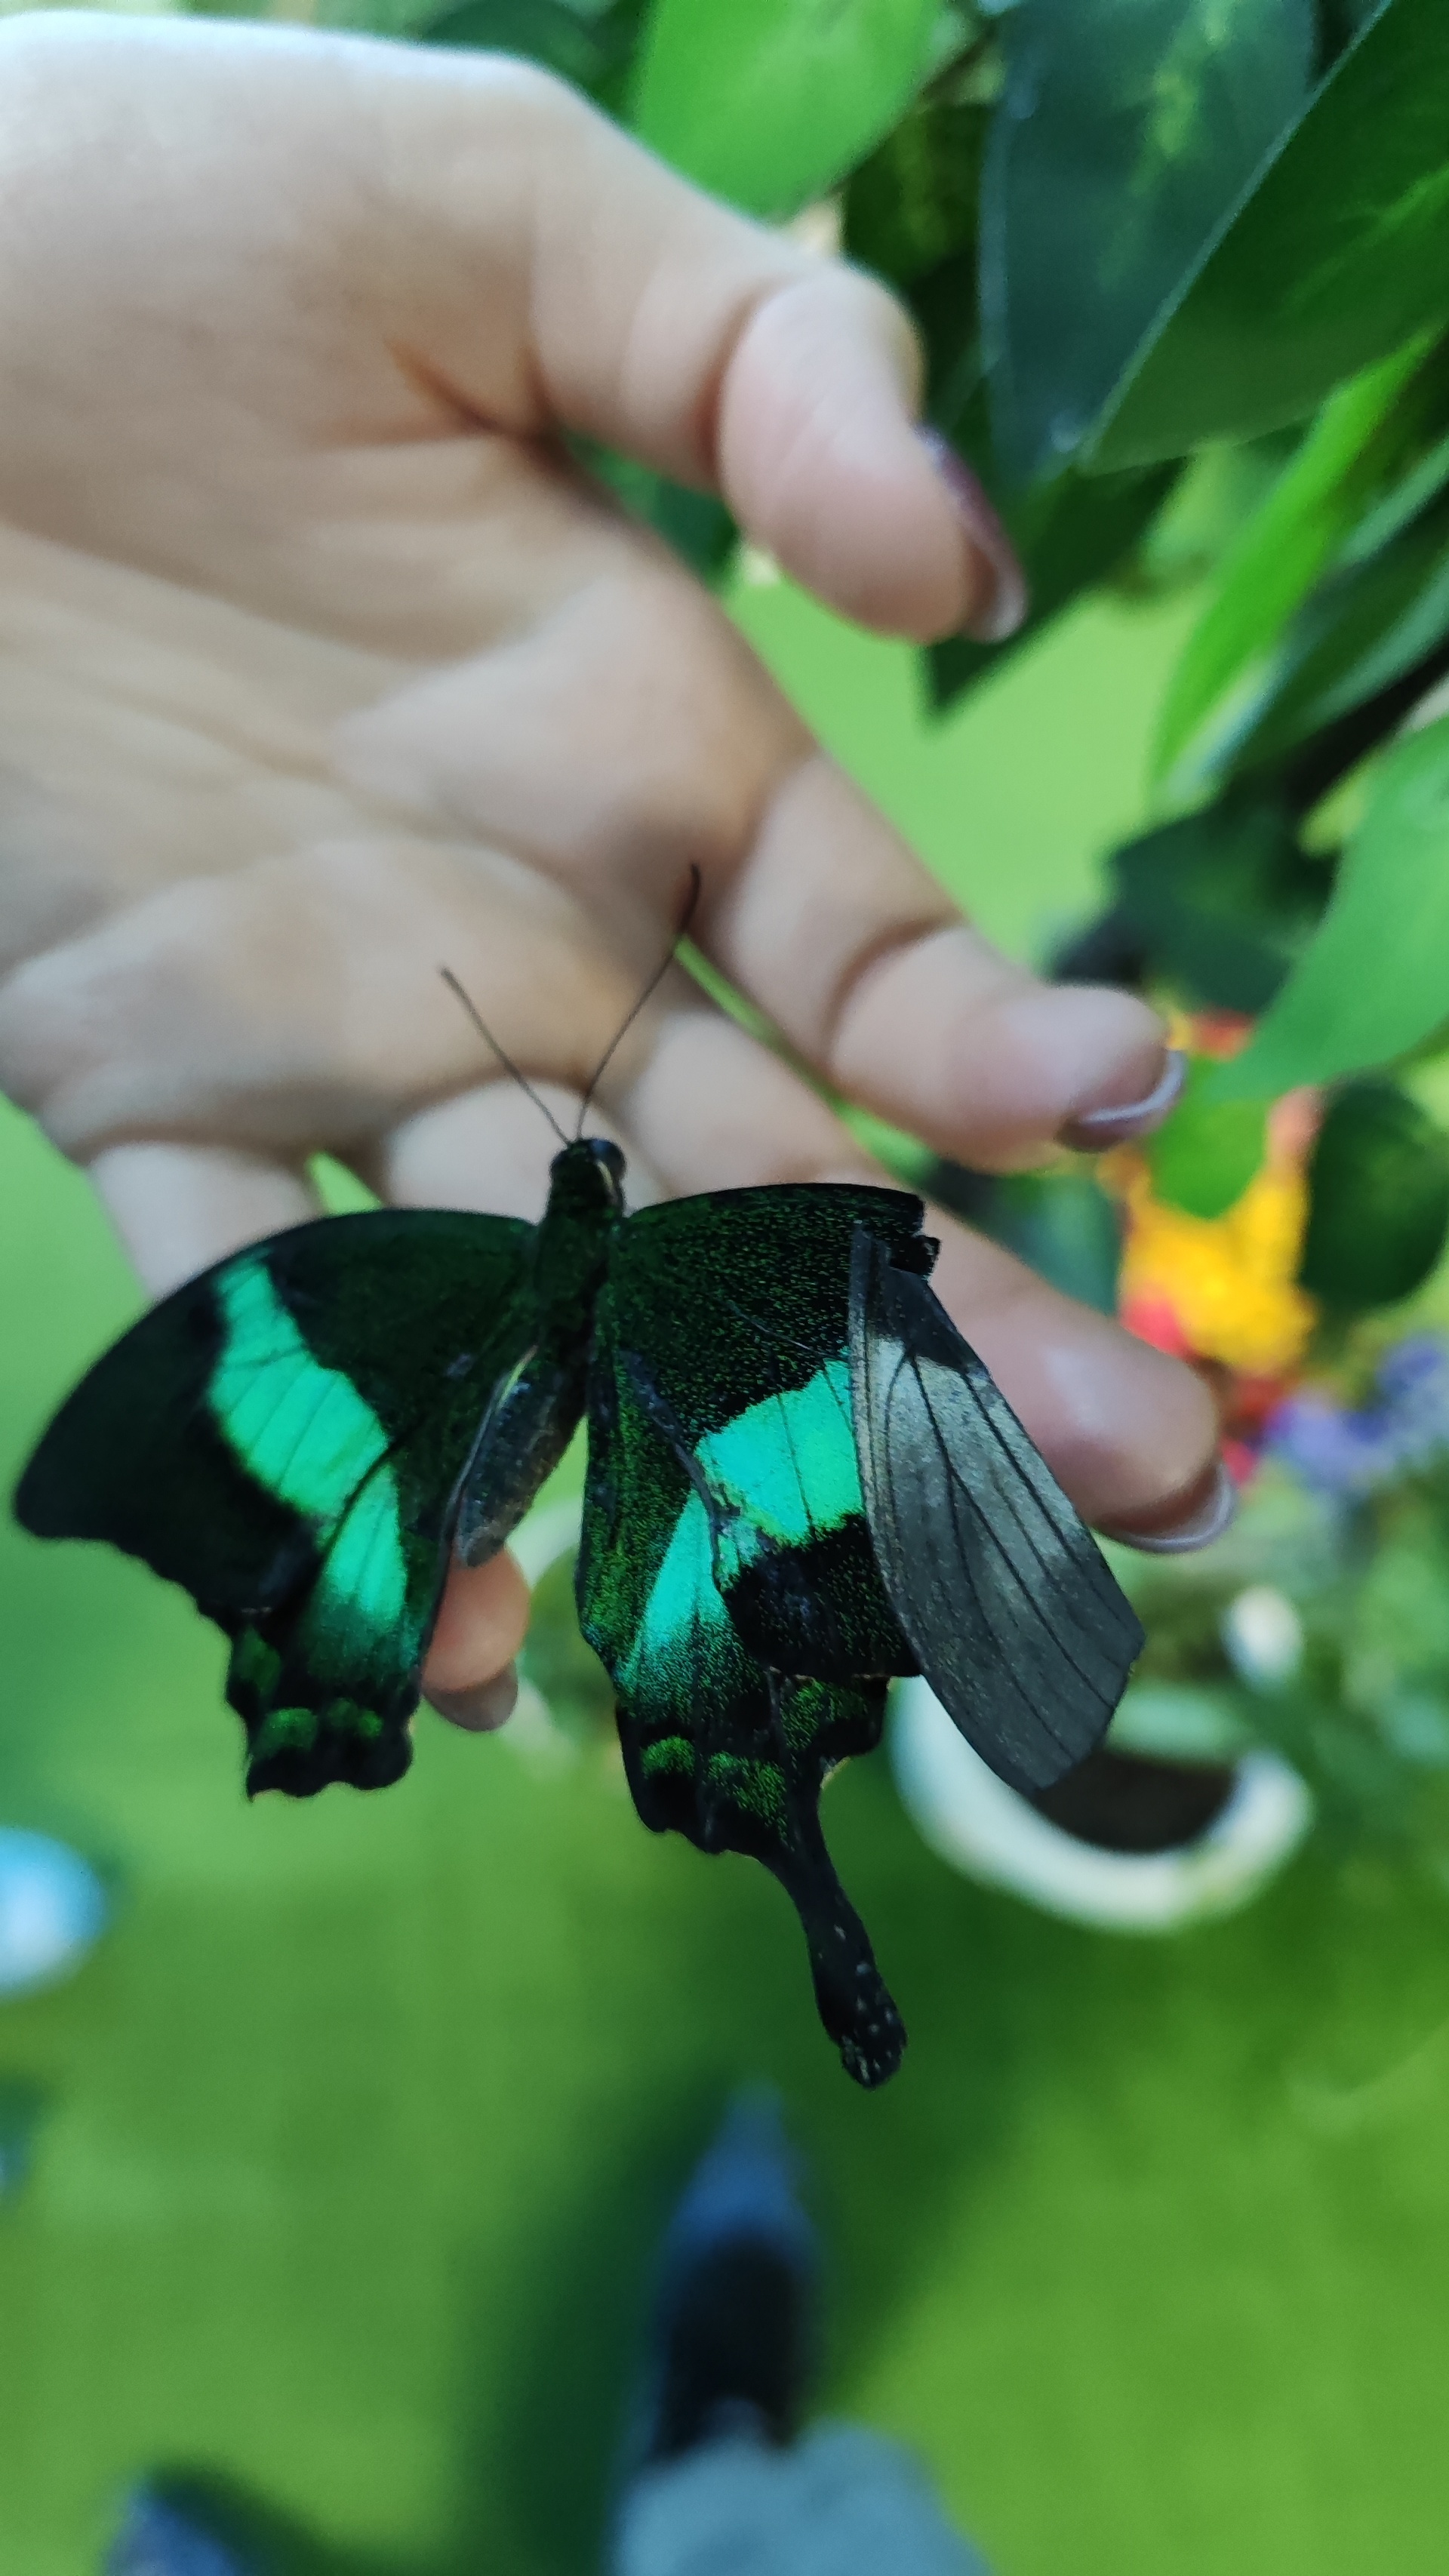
x: 656, y: 319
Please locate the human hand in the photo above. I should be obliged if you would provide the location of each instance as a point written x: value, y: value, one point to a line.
x: 323, y: 667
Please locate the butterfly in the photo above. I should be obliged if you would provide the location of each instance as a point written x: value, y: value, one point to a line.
x: 801, y: 1481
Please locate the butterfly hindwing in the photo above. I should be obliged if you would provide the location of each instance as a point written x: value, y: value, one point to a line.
x: 285, y: 1437
x: 730, y: 1314
x: 727, y: 1579
x: 1013, y: 1613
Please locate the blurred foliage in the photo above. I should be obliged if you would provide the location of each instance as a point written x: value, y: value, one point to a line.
x: 1216, y: 905
x: 1123, y: 132
x: 770, y: 101
x: 566, y: 1672
x: 1359, y: 1702
x: 1062, y: 1224
x: 1209, y: 1150
x: 1379, y: 1199
x: 1372, y: 985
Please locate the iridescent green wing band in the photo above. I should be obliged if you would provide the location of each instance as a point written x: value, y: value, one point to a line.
x: 726, y: 1578
x: 285, y: 1437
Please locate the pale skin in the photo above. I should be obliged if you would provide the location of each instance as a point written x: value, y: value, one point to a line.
x: 323, y: 668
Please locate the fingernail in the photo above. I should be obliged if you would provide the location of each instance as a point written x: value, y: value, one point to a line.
x: 479, y: 1710
x: 1207, y: 1520
x: 1004, y: 608
x: 1092, y: 1129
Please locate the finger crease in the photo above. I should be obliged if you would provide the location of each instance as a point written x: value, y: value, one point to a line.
x: 866, y: 963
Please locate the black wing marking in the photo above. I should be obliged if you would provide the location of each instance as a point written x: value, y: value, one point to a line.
x: 734, y: 1309
x: 717, y: 1746
x: 285, y: 1437
x: 1020, y: 1627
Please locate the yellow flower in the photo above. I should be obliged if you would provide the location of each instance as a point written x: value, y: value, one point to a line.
x: 1227, y: 1283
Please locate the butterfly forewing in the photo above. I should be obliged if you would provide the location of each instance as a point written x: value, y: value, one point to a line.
x: 1017, y: 1620
x: 285, y: 1437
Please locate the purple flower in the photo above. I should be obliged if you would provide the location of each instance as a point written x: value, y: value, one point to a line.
x: 1347, y: 1452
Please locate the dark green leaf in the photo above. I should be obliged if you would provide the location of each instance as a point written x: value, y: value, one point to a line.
x: 1061, y: 1224
x: 1127, y: 129
x: 1378, y: 1199
x: 1222, y: 902
x: 913, y: 203
x: 1338, y: 253
x: 1208, y: 1152
x: 696, y: 524
x: 1375, y: 981
x: 1069, y: 535
x: 768, y: 101
x: 22, y: 2107
x: 1339, y: 21
x: 580, y: 44
x: 1363, y: 629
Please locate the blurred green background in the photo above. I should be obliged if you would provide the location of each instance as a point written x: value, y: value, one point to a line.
x: 355, y: 2132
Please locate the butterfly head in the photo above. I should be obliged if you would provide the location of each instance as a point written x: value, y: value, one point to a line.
x: 588, y: 1177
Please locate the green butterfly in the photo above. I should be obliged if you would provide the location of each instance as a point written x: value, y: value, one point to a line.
x: 801, y: 1481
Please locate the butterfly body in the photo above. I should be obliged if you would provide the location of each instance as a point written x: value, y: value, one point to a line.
x: 800, y: 1483
x: 535, y: 1409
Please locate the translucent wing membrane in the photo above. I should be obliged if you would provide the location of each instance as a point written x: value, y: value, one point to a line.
x: 1015, y: 1617
x: 285, y: 1437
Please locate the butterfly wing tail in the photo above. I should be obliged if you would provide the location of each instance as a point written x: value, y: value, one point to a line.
x: 756, y: 1791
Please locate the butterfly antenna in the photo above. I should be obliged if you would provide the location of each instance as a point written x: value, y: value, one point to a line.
x: 686, y: 915
x: 506, y: 1060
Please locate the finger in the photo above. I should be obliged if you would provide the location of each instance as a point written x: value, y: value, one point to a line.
x: 179, y: 1208
x: 298, y: 1003
x: 644, y: 313
x: 834, y: 928
x: 1130, y: 1434
x: 490, y: 1149
x: 416, y: 243
x: 680, y: 750
x: 481, y: 1625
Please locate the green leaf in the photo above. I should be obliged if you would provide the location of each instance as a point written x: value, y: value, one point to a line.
x: 1221, y: 902
x: 1364, y: 629
x: 696, y: 524
x: 767, y: 102
x: 1127, y: 129
x: 912, y: 205
x: 1069, y: 535
x: 1278, y: 556
x: 1375, y: 981
x: 1338, y: 253
x: 580, y: 43
x: 1209, y: 1150
x: 1378, y: 1200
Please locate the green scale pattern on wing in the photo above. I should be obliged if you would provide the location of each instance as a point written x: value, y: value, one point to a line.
x: 284, y: 1436
x: 303, y: 1433
x: 354, y: 1399
x: 727, y: 1578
